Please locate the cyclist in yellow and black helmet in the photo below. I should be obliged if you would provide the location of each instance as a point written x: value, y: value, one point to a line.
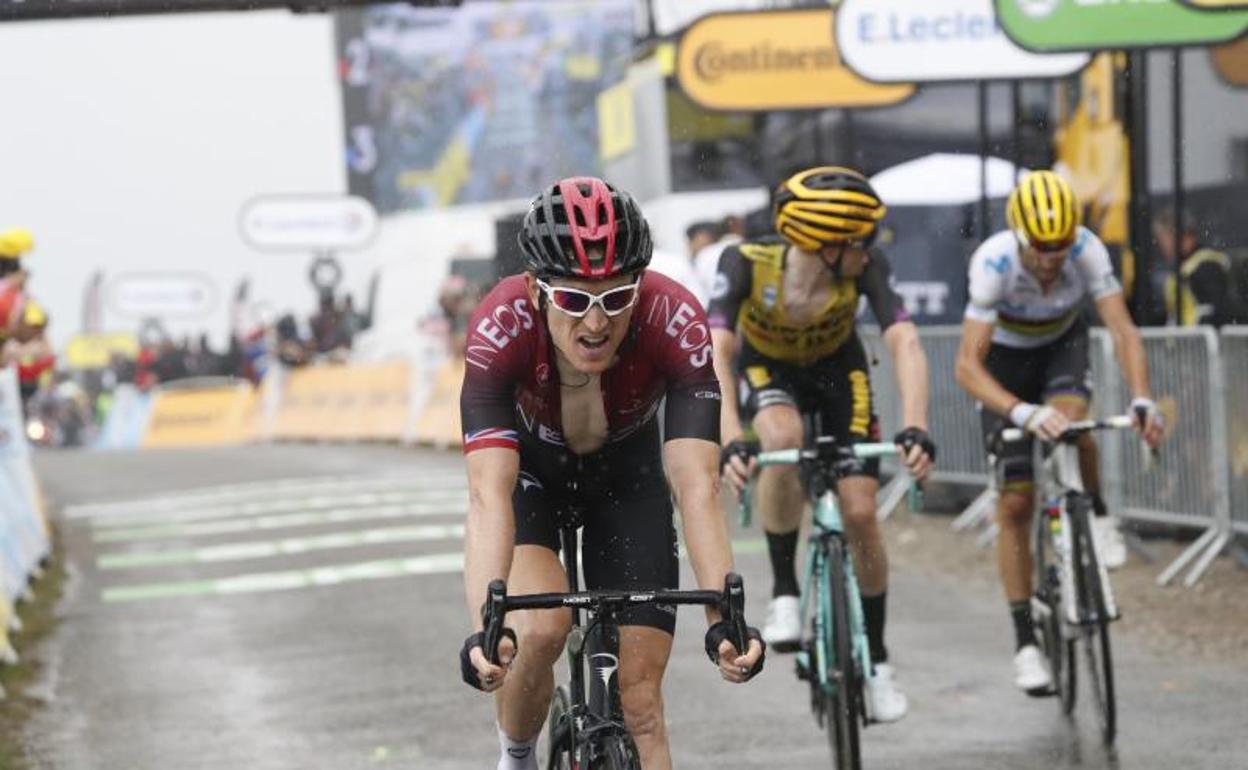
x: 793, y: 299
x: 1024, y: 357
x: 1043, y: 212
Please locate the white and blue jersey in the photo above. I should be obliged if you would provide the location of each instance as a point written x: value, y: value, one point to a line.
x: 1004, y: 293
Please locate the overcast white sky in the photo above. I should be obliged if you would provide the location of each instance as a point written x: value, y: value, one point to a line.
x: 131, y: 144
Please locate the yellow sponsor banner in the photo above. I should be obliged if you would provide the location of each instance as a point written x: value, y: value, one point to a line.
x: 617, y: 129
x: 95, y: 351
x: 439, y: 423
x: 1220, y: 5
x: 218, y: 416
x: 773, y: 60
x: 1231, y: 62
x: 345, y: 403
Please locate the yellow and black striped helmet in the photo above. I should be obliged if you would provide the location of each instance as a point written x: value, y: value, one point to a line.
x: 827, y: 205
x: 1043, y: 212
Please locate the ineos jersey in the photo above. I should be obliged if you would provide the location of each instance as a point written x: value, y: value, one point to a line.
x: 511, y: 384
x: 1004, y: 293
x: 749, y: 294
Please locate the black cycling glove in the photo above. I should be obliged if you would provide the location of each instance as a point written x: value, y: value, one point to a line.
x: 736, y: 448
x: 911, y: 437
x: 469, y: 672
x: 718, y: 632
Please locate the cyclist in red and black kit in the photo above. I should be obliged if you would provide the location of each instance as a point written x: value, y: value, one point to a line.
x: 566, y: 368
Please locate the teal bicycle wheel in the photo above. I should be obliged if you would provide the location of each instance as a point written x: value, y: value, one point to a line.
x: 843, y: 688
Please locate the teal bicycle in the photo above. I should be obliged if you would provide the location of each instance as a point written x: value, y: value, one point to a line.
x: 835, y: 657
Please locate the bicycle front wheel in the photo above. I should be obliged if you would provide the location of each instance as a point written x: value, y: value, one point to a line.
x: 559, y: 732
x: 1095, y: 631
x: 619, y: 752
x: 843, y: 690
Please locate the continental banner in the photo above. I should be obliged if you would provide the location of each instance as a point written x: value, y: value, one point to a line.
x: 216, y: 416
x: 344, y: 403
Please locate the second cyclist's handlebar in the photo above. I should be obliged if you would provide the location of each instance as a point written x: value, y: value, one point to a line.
x: 795, y: 456
x: 730, y: 602
x: 1076, y: 429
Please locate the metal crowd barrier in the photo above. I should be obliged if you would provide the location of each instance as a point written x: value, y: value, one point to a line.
x: 1199, y: 481
x: 1235, y: 370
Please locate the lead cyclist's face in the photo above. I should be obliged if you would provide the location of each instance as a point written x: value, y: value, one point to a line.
x: 1046, y: 266
x: 588, y: 343
x: 853, y: 258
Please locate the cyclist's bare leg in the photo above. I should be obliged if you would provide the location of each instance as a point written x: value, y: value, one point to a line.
x: 644, y: 652
x: 1014, y: 511
x: 778, y: 496
x: 523, y: 701
x: 857, y: 498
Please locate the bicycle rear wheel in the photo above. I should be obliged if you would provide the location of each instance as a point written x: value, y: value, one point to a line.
x: 559, y: 732
x: 1095, y: 633
x: 843, y: 693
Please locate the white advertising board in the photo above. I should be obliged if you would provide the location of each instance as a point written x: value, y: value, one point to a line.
x: 162, y: 295
x: 924, y: 41
x: 308, y: 222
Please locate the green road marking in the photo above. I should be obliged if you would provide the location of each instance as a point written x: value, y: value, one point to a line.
x: 285, y: 581
x: 303, y: 503
x: 322, y: 576
x: 294, y: 545
x: 268, y: 523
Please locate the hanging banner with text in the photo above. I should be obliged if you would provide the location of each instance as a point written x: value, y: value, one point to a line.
x: 918, y: 41
x: 772, y: 60
x: 1216, y: 5
x: 1094, y: 25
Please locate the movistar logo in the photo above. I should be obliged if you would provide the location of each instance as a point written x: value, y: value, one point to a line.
x: 714, y: 60
x: 605, y: 672
x: 1037, y: 9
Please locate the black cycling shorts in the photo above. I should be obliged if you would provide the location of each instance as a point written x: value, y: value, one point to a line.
x: 1036, y: 375
x: 836, y: 390
x: 628, y: 537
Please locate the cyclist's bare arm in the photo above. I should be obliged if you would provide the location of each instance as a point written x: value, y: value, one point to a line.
x: 725, y: 344
x: 974, y: 376
x: 1129, y: 349
x: 910, y: 370
x: 490, y: 529
x: 692, y: 467
x: 1128, y: 346
x: 975, y: 379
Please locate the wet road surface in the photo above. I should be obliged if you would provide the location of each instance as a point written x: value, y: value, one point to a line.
x: 301, y: 607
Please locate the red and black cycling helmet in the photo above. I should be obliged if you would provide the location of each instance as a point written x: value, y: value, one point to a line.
x: 583, y: 227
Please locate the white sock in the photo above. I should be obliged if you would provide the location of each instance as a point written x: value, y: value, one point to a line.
x: 517, y: 755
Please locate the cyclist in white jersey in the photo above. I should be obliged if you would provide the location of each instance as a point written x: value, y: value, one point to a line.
x: 1024, y: 358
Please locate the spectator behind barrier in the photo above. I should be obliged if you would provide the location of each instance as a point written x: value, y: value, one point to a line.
x: 706, y: 261
x: 1209, y: 296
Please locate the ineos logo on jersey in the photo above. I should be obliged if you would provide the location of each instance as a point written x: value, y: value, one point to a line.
x: 606, y: 671
x: 502, y: 325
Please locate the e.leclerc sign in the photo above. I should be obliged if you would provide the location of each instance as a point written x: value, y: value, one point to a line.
x: 772, y: 60
x: 917, y: 41
x: 1093, y: 25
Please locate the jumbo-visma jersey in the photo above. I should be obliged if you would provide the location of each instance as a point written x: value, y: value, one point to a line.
x: 749, y: 295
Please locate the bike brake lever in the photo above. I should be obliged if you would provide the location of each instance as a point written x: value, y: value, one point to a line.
x: 492, y: 615
x: 734, y: 612
x: 914, y: 497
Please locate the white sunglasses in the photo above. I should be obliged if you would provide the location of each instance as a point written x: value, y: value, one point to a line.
x: 578, y: 303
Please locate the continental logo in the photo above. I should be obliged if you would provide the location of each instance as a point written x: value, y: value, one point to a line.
x: 772, y: 60
x: 714, y: 60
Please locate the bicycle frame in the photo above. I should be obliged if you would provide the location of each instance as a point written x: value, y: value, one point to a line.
x: 1060, y: 478
x: 829, y: 524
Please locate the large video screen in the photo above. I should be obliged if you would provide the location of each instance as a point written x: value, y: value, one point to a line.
x: 485, y: 102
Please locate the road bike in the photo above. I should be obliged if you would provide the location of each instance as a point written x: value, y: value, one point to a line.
x: 834, y: 656
x: 586, y: 729
x: 1073, y: 602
